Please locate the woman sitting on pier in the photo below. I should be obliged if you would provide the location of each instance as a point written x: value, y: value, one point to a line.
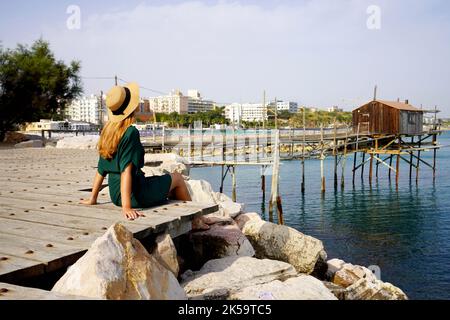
x: 122, y: 157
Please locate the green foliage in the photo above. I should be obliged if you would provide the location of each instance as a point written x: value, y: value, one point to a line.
x: 315, y: 119
x: 184, y: 120
x: 34, y: 85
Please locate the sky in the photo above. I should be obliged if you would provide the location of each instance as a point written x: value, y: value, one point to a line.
x: 316, y: 52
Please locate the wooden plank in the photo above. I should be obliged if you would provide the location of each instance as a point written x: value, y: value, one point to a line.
x: 13, y: 292
x: 52, y: 254
x: 12, y: 267
x: 69, y: 236
x: 88, y: 221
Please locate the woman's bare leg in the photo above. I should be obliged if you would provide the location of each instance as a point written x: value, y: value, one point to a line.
x: 179, y: 191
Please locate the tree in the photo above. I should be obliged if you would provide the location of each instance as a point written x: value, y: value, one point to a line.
x: 34, y: 85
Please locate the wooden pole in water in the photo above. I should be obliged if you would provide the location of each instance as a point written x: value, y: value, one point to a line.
x: 356, y: 153
x: 344, y: 161
x: 411, y: 160
x: 418, y: 160
x: 322, y: 158
x: 434, y: 157
x: 397, y: 173
x: 371, y: 168
x: 390, y: 166
x: 363, y: 162
x: 335, y: 156
x: 233, y: 176
x: 303, y: 150
x: 274, y: 197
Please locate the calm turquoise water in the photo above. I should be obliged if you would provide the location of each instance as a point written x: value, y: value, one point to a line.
x: 405, y: 233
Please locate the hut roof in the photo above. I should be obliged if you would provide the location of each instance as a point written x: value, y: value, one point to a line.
x: 398, y: 105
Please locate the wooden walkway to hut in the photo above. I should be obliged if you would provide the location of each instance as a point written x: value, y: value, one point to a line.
x: 43, y: 228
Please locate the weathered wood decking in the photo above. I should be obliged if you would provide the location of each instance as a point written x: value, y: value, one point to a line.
x: 42, y: 225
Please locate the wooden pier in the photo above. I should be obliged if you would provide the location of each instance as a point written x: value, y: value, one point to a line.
x: 43, y: 228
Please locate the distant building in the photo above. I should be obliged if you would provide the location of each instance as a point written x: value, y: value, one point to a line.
x: 335, y: 109
x: 46, y: 124
x: 143, y: 113
x: 237, y: 112
x: 87, y: 109
x: 290, y: 106
x: 174, y: 102
x: 197, y: 104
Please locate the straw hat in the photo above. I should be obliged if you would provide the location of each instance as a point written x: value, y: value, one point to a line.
x: 122, y: 101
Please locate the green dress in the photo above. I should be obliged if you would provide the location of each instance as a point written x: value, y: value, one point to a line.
x: 146, y: 191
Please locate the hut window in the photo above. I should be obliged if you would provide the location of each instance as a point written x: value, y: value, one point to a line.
x: 411, y: 118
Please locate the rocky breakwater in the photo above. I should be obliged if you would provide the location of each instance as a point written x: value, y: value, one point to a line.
x: 240, y: 257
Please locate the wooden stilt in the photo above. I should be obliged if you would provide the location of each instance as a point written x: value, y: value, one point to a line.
x: 354, y: 166
x: 221, y: 179
x: 377, y: 165
x: 371, y: 168
x: 275, y: 177
x: 411, y: 160
x: 303, y: 151
x: 390, y: 165
x: 322, y: 158
x: 434, y: 158
x: 335, y: 156
x: 363, y: 164
x: 344, y: 162
x: 233, y: 176
x: 397, y: 173
x: 418, y: 160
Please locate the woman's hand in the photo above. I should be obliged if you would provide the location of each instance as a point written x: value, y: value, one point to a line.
x: 131, y: 214
x: 89, y: 202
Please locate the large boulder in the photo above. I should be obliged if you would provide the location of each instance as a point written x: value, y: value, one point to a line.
x: 118, y: 267
x: 303, y: 287
x: 201, y: 191
x: 30, y: 144
x: 346, y: 274
x: 166, y: 253
x: 243, y: 218
x: 220, y: 278
x: 220, y: 240
x: 78, y: 142
x: 366, y: 289
x: 283, y: 243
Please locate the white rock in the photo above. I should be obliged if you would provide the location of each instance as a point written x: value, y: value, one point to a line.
x: 230, y: 208
x: 243, y: 218
x: 200, y: 191
x: 166, y: 253
x: 334, y: 265
x: 30, y: 144
x: 283, y: 243
x: 220, y: 240
x: 366, y: 289
x: 78, y: 142
x: 118, y: 267
x: 221, y: 277
x: 303, y: 287
x: 348, y: 274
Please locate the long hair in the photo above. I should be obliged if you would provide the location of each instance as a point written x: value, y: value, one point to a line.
x: 111, y: 135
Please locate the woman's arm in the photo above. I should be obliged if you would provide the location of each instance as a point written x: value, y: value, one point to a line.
x: 125, y: 191
x: 98, y: 180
